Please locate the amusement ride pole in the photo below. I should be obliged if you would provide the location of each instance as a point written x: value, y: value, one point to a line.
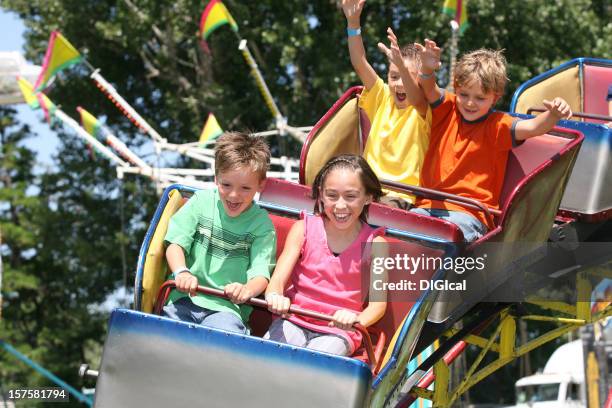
x: 125, y: 107
x: 281, y: 121
x: 125, y: 152
x: 261, y: 83
x: 0, y: 276
x: 80, y: 396
x: 99, y: 147
x: 453, y: 53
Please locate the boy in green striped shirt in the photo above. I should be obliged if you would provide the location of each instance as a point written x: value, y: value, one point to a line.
x: 221, y: 239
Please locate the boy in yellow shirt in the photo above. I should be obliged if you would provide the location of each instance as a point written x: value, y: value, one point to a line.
x: 398, y: 112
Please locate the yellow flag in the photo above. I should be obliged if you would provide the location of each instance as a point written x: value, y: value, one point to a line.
x: 60, y: 54
x: 28, y: 92
x: 211, y: 130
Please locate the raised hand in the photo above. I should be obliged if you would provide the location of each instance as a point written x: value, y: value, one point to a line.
x: 393, y: 51
x: 430, y: 56
x: 559, y: 108
x: 352, y: 11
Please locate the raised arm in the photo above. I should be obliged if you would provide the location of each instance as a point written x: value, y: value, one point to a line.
x: 414, y: 94
x: 352, y: 10
x: 277, y: 302
x: 430, y: 62
x: 556, y: 109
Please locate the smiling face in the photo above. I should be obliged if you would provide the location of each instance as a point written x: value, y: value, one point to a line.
x: 343, y: 196
x: 396, y: 86
x: 473, y: 102
x: 237, y: 188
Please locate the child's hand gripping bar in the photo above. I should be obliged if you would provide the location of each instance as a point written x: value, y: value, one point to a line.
x: 166, y: 288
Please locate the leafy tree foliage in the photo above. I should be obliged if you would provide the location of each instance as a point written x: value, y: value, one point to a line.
x: 62, y: 229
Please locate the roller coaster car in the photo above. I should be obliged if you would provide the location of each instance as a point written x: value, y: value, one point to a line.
x: 583, y: 83
x: 154, y: 361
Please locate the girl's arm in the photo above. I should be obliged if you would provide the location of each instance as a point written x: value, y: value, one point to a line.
x: 344, y: 319
x: 277, y: 303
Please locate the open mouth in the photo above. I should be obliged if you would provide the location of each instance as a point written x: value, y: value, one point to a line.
x: 232, y: 206
x: 401, y: 96
x: 342, y: 217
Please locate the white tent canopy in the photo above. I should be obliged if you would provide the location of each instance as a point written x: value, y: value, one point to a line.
x: 12, y: 64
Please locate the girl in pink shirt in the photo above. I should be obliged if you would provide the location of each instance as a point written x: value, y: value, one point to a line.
x: 321, y: 266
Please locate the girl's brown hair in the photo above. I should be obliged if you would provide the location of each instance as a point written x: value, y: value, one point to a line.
x: 353, y: 162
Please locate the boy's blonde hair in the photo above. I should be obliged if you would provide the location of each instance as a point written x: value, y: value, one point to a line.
x: 234, y: 150
x: 488, y: 67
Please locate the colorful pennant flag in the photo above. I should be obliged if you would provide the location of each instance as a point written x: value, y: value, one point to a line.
x: 211, y: 130
x: 28, y: 92
x: 90, y: 123
x: 36, y: 100
x: 47, y: 106
x: 60, y: 54
x: 215, y: 15
x: 457, y: 9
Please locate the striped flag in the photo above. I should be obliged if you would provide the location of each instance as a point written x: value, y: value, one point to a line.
x: 90, y: 123
x: 28, y: 92
x: 211, y: 130
x: 457, y: 9
x: 36, y: 100
x: 60, y: 54
x: 47, y: 106
x: 215, y: 15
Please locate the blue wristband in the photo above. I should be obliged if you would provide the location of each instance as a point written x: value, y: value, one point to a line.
x: 179, y: 270
x: 351, y: 32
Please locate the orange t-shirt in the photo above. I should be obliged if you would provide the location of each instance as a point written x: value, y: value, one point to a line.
x: 466, y: 158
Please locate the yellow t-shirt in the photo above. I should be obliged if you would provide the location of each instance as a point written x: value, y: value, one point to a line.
x: 398, y: 138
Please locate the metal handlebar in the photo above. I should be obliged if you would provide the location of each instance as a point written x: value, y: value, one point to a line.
x: 453, y: 198
x: 577, y: 114
x: 166, y: 287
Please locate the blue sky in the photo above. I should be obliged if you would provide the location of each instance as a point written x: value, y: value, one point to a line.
x: 44, y: 141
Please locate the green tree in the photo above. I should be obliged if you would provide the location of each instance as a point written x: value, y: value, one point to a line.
x: 64, y: 256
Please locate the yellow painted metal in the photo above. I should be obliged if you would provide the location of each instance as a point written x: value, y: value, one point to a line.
x: 545, y: 338
x: 592, y: 372
x: 601, y: 271
x: 508, y: 337
x: 488, y: 370
x: 423, y: 393
x: 506, y: 330
x: 440, y: 394
x: 556, y: 306
x: 467, y: 381
x: 155, y: 267
x: 472, y: 339
x: 563, y: 320
x: 578, y: 315
x: 583, y: 291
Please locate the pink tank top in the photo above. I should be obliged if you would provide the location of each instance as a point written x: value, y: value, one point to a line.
x: 325, y: 283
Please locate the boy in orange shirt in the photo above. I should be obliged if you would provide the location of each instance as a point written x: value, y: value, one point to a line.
x: 469, y: 142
